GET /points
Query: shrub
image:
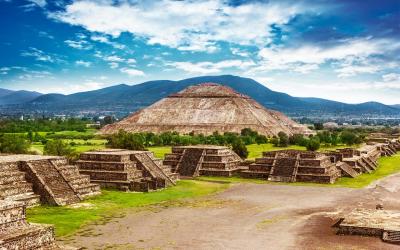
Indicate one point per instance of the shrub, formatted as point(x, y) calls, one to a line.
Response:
point(58, 147)
point(313, 144)
point(240, 149)
point(12, 143)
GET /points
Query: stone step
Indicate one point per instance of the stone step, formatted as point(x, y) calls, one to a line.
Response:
point(106, 175)
point(5, 167)
point(11, 177)
point(32, 236)
point(88, 189)
point(106, 166)
point(254, 174)
point(28, 199)
point(15, 188)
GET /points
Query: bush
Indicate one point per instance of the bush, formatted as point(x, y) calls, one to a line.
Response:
point(126, 140)
point(240, 149)
point(15, 144)
point(58, 147)
point(313, 144)
point(283, 139)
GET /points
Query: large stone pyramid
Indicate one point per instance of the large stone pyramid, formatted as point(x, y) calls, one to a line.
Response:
point(207, 108)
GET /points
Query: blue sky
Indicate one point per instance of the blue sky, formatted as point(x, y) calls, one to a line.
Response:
point(340, 50)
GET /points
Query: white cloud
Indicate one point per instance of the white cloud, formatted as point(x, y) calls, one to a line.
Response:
point(351, 57)
point(240, 52)
point(113, 65)
point(132, 72)
point(113, 58)
point(391, 77)
point(187, 25)
point(40, 3)
point(82, 44)
point(105, 39)
point(210, 67)
point(39, 55)
point(83, 63)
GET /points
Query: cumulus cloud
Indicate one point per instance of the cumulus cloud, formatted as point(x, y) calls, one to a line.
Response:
point(39, 55)
point(350, 56)
point(186, 25)
point(83, 63)
point(210, 67)
point(132, 72)
point(82, 44)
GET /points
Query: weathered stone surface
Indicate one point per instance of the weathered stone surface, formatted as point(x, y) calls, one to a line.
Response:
point(16, 233)
point(292, 166)
point(207, 108)
point(379, 223)
point(203, 160)
point(126, 170)
point(49, 179)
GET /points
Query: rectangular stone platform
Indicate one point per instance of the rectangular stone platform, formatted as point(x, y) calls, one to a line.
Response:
point(32, 179)
point(198, 160)
point(126, 170)
point(380, 223)
point(17, 233)
point(292, 166)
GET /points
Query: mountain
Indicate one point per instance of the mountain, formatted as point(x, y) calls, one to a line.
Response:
point(8, 97)
point(123, 99)
point(396, 106)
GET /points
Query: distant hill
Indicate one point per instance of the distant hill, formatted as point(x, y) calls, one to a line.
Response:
point(123, 99)
point(8, 97)
point(396, 106)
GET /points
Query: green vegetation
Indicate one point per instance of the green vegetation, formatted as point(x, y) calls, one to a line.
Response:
point(45, 125)
point(387, 166)
point(159, 152)
point(112, 203)
point(13, 143)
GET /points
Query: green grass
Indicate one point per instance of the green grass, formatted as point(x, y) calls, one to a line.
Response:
point(387, 166)
point(255, 150)
point(159, 152)
point(112, 203)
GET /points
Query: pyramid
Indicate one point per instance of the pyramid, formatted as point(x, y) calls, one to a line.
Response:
point(204, 109)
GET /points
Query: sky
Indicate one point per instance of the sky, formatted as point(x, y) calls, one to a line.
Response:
point(340, 50)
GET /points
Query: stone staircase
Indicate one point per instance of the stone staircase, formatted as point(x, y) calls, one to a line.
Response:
point(49, 182)
point(79, 183)
point(14, 186)
point(16, 233)
point(154, 168)
point(284, 169)
point(189, 163)
point(198, 160)
point(391, 237)
point(347, 170)
point(126, 170)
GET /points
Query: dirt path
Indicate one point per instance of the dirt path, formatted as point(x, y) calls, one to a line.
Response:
point(247, 216)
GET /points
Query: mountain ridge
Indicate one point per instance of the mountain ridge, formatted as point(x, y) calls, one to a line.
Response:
point(124, 99)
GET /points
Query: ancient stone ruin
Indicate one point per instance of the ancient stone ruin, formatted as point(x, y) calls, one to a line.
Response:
point(203, 160)
point(292, 166)
point(17, 233)
point(379, 223)
point(126, 170)
point(204, 109)
point(31, 179)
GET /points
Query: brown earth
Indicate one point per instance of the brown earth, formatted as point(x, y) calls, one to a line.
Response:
point(247, 216)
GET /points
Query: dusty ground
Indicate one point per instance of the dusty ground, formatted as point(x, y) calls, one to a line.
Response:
point(247, 216)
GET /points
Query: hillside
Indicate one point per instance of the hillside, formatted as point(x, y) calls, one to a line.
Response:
point(123, 99)
point(17, 97)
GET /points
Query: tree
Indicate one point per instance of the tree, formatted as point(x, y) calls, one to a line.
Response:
point(240, 149)
point(58, 147)
point(348, 137)
point(13, 143)
point(126, 140)
point(318, 126)
point(313, 144)
point(283, 139)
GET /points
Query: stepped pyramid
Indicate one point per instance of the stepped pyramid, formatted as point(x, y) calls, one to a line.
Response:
point(16, 233)
point(292, 166)
point(207, 108)
point(126, 169)
point(48, 179)
point(198, 160)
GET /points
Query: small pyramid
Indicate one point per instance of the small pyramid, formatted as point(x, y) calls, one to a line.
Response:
point(204, 109)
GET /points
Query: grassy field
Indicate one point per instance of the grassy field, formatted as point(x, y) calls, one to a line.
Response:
point(387, 166)
point(81, 145)
point(255, 150)
point(112, 203)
